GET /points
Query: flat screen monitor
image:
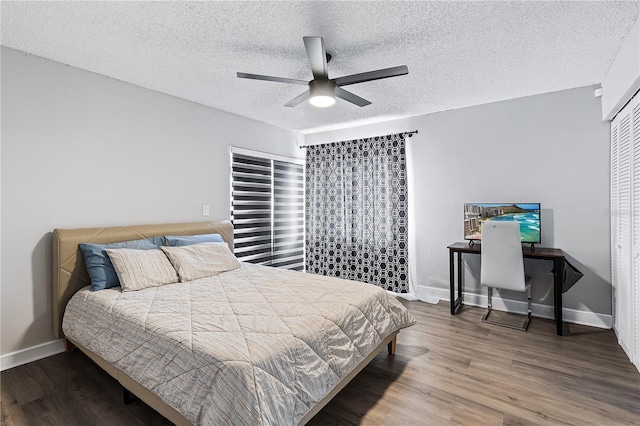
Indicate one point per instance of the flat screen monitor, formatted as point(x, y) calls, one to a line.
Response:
point(526, 214)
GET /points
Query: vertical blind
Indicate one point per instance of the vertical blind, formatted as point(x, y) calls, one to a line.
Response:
point(267, 210)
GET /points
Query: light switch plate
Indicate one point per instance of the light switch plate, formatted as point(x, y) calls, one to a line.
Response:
point(205, 210)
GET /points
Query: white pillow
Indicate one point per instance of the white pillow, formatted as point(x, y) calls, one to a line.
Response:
point(201, 260)
point(138, 269)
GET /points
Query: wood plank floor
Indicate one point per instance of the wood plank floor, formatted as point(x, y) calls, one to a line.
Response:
point(447, 370)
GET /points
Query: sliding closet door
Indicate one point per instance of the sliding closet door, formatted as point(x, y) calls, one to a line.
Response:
point(625, 227)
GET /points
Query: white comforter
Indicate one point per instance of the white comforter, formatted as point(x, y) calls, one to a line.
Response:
point(252, 346)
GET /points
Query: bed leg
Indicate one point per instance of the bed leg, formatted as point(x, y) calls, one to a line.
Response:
point(68, 346)
point(391, 347)
point(127, 396)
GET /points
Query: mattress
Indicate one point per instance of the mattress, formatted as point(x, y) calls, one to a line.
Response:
point(255, 345)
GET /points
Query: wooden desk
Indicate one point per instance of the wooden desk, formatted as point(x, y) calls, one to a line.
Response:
point(553, 254)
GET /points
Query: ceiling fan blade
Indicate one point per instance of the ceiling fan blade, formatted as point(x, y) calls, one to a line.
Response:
point(317, 56)
point(350, 97)
point(371, 75)
point(270, 78)
point(298, 99)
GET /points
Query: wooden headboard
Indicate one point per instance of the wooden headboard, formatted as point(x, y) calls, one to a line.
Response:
point(69, 272)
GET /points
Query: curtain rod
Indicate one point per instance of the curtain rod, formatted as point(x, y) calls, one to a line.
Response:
point(409, 134)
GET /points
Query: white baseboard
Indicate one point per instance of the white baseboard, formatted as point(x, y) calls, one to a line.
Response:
point(33, 353)
point(538, 310)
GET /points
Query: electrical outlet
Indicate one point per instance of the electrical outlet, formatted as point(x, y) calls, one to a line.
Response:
point(205, 210)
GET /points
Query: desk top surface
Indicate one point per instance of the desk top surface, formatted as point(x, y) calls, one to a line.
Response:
point(539, 252)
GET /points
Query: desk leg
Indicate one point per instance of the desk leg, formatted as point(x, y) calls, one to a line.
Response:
point(455, 301)
point(460, 279)
point(452, 293)
point(557, 294)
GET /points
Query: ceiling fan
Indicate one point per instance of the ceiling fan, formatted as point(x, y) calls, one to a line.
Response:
point(322, 89)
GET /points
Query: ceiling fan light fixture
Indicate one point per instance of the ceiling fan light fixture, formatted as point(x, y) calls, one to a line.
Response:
point(322, 101)
point(322, 93)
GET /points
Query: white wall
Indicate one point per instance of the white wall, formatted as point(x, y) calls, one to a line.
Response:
point(623, 77)
point(551, 148)
point(83, 150)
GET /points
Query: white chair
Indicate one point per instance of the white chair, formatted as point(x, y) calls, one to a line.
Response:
point(502, 265)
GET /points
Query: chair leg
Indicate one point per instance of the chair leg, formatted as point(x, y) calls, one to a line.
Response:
point(527, 320)
point(525, 326)
point(485, 317)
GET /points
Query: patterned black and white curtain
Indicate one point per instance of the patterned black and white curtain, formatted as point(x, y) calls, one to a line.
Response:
point(356, 211)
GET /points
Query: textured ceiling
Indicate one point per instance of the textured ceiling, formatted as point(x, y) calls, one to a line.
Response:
point(458, 53)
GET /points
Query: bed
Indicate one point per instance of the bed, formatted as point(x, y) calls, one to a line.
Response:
point(255, 345)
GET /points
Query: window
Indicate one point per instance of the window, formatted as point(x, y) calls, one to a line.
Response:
point(267, 208)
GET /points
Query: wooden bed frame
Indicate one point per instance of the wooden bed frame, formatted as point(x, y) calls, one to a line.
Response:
point(70, 275)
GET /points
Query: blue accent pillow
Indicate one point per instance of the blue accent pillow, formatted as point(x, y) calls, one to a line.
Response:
point(99, 265)
point(187, 240)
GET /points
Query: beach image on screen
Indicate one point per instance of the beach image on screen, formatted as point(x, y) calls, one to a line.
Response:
point(526, 214)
